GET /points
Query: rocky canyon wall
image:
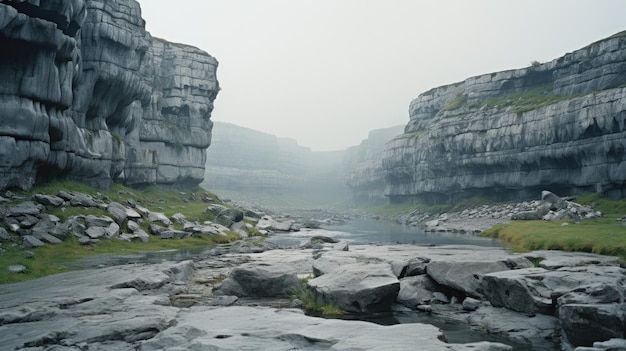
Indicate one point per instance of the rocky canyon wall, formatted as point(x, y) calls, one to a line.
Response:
point(88, 94)
point(508, 135)
point(364, 168)
point(269, 170)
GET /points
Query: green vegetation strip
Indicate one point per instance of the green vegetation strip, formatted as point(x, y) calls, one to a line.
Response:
point(604, 235)
point(52, 259)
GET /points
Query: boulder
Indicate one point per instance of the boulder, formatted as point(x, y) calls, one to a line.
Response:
point(23, 209)
point(158, 217)
point(208, 229)
point(121, 213)
point(29, 242)
point(98, 221)
point(268, 223)
point(179, 218)
point(259, 280)
point(357, 287)
point(215, 209)
point(526, 216)
point(415, 266)
point(228, 216)
point(16, 268)
point(470, 304)
point(584, 324)
point(416, 291)
point(84, 200)
point(326, 264)
point(534, 290)
point(173, 234)
point(467, 276)
point(4, 235)
point(48, 200)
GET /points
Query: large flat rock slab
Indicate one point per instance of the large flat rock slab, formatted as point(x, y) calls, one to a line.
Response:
point(243, 328)
point(113, 307)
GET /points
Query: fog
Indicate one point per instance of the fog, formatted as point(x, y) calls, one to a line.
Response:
point(326, 72)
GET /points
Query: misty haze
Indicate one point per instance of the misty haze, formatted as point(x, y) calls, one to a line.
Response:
point(312, 175)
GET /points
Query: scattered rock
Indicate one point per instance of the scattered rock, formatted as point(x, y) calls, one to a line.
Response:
point(416, 291)
point(470, 304)
point(16, 268)
point(84, 200)
point(29, 242)
point(259, 281)
point(159, 217)
point(4, 235)
point(48, 200)
point(23, 209)
point(228, 216)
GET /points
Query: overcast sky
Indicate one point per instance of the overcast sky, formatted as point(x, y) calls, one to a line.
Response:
point(326, 72)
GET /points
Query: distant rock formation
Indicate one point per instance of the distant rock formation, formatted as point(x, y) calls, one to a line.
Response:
point(364, 168)
point(246, 160)
point(88, 94)
point(559, 126)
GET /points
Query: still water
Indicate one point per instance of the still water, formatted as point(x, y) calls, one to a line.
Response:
point(366, 231)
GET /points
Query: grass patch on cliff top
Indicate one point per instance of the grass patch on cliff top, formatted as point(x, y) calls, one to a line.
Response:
point(605, 235)
point(524, 101)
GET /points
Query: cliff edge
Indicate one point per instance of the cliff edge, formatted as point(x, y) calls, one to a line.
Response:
point(89, 95)
point(557, 126)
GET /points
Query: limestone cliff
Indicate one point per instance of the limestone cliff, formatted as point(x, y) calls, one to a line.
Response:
point(507, 135)
point(89, 95)
point(364, 168)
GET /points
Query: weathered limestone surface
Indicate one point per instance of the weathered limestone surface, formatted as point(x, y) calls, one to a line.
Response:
point(489, 135)
point(81, 79)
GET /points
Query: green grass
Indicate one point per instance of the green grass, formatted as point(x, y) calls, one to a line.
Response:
point(455, 103)
point(526, 100)
point(603, 235)
point(52, 259)
point(311, 306)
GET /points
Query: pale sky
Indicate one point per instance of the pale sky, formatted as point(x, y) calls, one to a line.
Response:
point(326, 72)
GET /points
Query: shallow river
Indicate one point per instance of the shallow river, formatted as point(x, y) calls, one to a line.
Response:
point(385, 232)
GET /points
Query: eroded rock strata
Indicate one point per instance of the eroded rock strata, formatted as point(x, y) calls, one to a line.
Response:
point(89, 95)
point(558, 126)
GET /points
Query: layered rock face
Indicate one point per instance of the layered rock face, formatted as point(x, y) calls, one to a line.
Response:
point(365, 174)
point(508, 135)
point(176, 125)
point(81, 79)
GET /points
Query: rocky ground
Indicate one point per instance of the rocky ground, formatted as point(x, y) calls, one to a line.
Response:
point(235, 297)
point(479, 218)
